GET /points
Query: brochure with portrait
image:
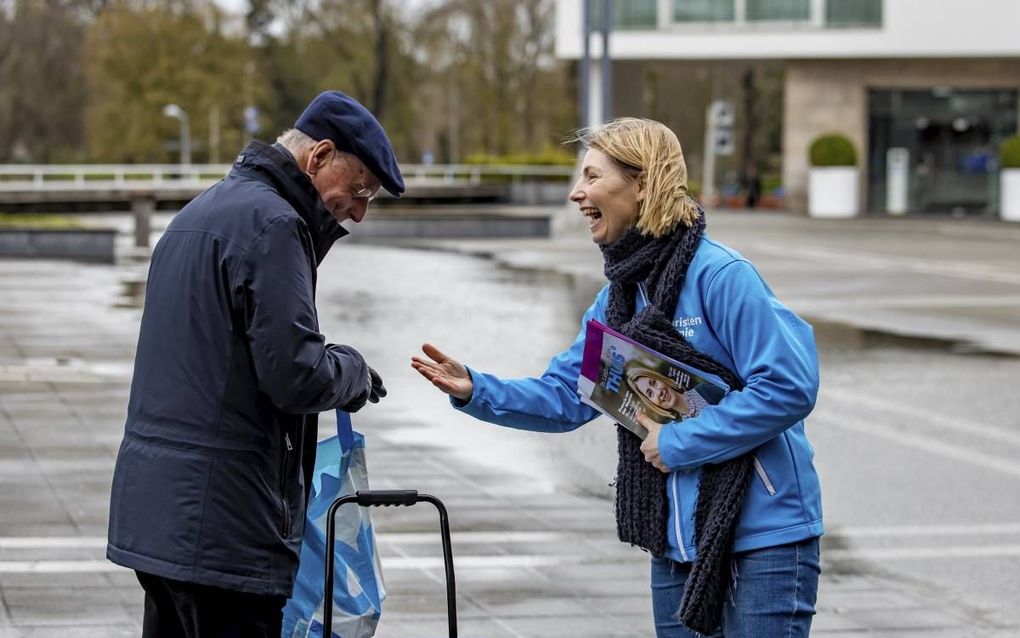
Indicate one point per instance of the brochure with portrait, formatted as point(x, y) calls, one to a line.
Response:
point(620, 377)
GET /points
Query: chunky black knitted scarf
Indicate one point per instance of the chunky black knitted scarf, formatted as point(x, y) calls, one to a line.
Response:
point(641, 504)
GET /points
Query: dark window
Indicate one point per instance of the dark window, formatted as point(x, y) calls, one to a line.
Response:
point(787, 10)
point(633, 14)
point(853, 13)
point(703, 10)
point(951, 138)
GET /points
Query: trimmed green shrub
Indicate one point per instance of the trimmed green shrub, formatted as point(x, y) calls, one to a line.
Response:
point(1009, 153)
point(694, 187)
point(548, 156)
point(41, 221)
point(833, 149)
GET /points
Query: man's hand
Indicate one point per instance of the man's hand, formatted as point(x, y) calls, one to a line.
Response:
point(376, 389)
point(650, 446)
point(373, 388)
point(448, 375)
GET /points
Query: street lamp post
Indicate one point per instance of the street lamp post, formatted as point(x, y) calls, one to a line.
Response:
point(596, 82)
point(179, 114)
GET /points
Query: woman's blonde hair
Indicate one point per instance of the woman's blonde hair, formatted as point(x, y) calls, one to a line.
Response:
point(648, 150)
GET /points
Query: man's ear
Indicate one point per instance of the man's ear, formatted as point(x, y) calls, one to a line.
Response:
point(318, 156)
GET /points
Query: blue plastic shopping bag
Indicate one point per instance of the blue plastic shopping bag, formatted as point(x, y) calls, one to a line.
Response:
point(358, 587)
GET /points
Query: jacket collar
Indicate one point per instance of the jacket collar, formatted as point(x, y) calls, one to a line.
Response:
point(274, 165)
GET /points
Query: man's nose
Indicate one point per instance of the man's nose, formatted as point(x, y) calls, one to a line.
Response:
point(359, 210)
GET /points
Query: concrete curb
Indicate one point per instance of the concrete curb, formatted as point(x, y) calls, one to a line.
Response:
point(85, 244)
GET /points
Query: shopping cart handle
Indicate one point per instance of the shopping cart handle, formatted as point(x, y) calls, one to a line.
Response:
point(386, 498)
point(371, 498)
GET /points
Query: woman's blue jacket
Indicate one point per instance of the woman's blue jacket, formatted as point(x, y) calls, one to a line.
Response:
point(726, 311)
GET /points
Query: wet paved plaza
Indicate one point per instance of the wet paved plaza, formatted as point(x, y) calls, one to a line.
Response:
point(916, 434)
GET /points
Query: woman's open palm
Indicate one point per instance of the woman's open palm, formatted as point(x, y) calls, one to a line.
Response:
point(445, 373)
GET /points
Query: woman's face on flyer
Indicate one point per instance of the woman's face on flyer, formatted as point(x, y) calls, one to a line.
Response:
point(607, 197)
point(658, 393)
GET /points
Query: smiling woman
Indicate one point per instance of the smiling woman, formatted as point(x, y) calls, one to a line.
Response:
point(634, 173)
point(681, 494)
point(609, 194)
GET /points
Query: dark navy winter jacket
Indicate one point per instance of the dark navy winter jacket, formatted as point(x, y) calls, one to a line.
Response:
point(230, 374)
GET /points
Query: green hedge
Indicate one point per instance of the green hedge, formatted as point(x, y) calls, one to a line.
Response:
point(1009, 153)
point(833, 149)
point(41, 221)
point(549, 156)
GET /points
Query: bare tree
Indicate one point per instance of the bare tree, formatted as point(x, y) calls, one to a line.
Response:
point(41, 83)
point(498, 57)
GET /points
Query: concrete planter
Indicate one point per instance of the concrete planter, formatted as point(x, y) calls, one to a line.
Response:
point(79, 244)
point(533, 193)
point(833, 192)
point(1009, 194)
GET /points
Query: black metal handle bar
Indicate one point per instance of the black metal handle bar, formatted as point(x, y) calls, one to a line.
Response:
point(388, 498)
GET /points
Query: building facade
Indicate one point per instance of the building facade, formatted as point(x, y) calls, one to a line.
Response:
point(934, 81)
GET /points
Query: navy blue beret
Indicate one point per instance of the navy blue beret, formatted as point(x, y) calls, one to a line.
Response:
point(340, 118)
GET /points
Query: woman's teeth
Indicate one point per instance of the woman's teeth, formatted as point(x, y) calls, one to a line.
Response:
point(593, 216)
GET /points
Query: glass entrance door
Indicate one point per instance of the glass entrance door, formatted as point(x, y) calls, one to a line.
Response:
point(951, 138)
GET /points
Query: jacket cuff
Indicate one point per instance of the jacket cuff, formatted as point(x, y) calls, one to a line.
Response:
point(473, 403)
point(669, 452)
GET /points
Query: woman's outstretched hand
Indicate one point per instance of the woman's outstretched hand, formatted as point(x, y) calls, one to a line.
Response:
point(445, 373)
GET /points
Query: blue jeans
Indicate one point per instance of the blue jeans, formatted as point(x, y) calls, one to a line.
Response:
point(772, 594)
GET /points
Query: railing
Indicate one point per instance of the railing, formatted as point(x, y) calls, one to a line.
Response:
point(20, 177)
point(43, 177)
point(477, 173)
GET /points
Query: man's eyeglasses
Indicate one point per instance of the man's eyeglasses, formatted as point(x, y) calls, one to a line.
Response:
point(361, 191)
point(364, 192)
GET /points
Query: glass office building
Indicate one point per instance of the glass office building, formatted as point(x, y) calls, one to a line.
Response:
point(935, 83)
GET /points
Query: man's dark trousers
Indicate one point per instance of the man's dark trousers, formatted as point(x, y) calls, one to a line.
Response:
point(174, 609)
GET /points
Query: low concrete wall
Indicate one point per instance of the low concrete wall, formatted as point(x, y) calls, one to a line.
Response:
point(430, 193)
point(454, 222)
point(79, 244)
point(453, 228)
point(539, 193)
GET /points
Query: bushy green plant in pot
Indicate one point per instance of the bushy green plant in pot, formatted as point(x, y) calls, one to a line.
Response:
point(833, 149)
point(833, 179)
point(1009, 184)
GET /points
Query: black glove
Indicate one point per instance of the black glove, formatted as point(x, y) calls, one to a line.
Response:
point(374, 388)
point(377, 390)
point(356, 403)
point(374, 391)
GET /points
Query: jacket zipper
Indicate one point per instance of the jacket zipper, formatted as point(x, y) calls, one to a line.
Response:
point(677, 516)
point(760, 469)
point(675, 479)
point(644, 295)
point(283, 483)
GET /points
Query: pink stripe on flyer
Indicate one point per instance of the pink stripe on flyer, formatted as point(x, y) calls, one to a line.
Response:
point(591, 360)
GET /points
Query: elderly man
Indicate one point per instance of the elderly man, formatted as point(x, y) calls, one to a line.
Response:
point(209, 490)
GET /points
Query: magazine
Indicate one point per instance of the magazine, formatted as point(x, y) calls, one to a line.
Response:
point(620, 377)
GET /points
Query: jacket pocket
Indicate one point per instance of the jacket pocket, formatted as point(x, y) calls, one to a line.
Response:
point(286, 451)
point(286, 518)
point(759, 469)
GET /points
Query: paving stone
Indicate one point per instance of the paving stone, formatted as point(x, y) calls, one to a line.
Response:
point(62, 606)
